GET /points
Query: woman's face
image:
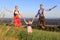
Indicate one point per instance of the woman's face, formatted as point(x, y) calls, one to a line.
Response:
point(16, 7)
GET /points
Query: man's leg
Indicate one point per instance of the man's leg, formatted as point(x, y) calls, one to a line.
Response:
point(43, 24)
point(38, 23)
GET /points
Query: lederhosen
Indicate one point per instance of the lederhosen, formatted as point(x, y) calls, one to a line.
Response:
point(41, 20)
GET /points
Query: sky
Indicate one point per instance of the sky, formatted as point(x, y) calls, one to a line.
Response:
point(29, 8)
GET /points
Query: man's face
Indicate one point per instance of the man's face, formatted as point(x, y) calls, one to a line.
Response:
point(41, 6)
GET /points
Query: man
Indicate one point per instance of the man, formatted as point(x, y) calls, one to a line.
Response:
point(41, 19)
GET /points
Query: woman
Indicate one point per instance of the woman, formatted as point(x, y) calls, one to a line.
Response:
point(17, 22)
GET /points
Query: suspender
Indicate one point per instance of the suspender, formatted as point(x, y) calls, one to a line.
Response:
point(39, 11)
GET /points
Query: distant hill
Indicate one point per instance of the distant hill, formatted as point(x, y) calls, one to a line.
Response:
point(55, 21)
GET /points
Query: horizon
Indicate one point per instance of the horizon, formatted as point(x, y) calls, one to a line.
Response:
point(30, 18)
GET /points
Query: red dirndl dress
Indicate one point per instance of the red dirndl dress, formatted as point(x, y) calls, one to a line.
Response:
point(17, 22)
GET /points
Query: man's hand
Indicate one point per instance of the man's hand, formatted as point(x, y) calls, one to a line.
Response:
point(54, 7)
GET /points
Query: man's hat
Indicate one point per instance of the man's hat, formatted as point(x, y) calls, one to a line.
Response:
point(41, 4)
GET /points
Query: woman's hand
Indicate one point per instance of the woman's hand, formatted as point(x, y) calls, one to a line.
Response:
point(8, 10)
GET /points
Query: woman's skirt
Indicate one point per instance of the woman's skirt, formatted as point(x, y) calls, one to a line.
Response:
point(29, 29)
point(17, 22)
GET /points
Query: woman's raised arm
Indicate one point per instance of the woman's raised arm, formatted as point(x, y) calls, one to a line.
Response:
point(8, 10)
point(25, 21)
point(33, 19)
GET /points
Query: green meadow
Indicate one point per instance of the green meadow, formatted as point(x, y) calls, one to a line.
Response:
point(13, 33)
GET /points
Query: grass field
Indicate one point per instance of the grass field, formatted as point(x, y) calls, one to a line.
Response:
point(13, 33)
